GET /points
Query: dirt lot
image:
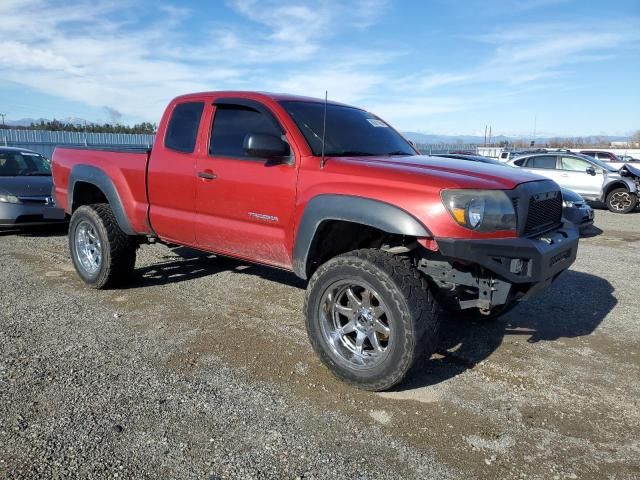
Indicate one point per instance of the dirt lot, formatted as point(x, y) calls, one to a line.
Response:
point(201, 369)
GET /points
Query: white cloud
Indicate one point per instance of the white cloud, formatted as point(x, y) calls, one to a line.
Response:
point(100, 53)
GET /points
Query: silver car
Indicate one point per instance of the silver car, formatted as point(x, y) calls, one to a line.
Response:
point(593, 179)
point(25, 189)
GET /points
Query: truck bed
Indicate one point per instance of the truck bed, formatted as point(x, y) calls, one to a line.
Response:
point(126, 167)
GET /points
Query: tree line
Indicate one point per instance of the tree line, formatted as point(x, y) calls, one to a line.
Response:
point(59, 126)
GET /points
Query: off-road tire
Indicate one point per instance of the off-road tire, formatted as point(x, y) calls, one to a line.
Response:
point(118, 248)
point(633, 200)
point(406, 293)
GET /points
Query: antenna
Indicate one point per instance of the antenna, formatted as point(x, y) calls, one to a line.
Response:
point(324, 128)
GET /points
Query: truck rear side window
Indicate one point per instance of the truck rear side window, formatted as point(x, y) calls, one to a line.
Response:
point(183, 127)
point(231, 125)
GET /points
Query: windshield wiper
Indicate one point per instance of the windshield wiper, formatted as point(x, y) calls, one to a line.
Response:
point(37, 174)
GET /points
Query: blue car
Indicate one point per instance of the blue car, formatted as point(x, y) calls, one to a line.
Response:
point(25, 189)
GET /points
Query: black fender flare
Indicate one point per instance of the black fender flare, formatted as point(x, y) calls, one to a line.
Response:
point(365, 211)
point(98, 178)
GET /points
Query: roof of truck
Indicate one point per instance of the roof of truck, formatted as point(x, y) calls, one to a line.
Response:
point(278, 97)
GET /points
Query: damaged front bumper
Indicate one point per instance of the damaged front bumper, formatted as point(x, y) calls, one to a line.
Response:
point(486, 273)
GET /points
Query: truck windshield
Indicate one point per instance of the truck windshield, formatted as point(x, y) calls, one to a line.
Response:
point(349, 131)
point(18, 164)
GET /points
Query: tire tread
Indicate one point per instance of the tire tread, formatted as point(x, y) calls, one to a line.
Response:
point(119, 255)
point(421, 306)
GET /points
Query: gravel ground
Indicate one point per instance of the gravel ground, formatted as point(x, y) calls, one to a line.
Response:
point(201, 369)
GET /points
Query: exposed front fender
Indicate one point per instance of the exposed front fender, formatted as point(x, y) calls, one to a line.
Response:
point(364, 211)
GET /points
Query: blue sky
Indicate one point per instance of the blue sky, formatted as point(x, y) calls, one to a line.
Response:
point(432, 66)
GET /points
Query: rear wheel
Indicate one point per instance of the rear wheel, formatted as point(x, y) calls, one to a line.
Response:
point(620, 200)
point(370, 317)
point(103, 255)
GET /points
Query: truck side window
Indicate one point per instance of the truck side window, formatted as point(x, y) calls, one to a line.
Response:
point(230, 126)
point(183, 127)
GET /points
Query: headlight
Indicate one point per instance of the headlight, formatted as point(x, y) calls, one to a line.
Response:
point(568, 203)
point(481, 210)
point(8, 198)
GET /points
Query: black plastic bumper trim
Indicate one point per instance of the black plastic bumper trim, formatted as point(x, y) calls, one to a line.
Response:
point(542, 257)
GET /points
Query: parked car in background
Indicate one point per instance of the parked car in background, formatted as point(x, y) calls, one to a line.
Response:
point(509, 154)
point(25, 189)
point(609, 157)
point(574, 207)
point(576, 210)
point(593, 179)
point(601, 155)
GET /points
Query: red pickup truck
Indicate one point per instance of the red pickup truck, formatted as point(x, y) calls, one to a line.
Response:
point(390, 241)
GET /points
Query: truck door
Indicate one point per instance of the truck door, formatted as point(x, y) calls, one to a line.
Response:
point(573, 172)
point(245, 204)
point(171, 182)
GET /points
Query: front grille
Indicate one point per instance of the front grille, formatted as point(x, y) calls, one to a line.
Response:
point(545, 212)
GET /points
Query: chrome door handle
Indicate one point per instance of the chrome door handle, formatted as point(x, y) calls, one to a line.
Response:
point(207, 175)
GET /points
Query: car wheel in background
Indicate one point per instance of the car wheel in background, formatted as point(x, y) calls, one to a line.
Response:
point(620, 200)
point(103, 255)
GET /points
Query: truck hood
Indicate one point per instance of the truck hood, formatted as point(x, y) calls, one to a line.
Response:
point(452, 173)
point(27, 186)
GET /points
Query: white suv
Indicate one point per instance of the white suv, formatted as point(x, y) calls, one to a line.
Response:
point(591, 178)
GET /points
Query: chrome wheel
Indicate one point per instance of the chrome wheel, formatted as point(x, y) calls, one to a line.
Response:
point(88, 247)
point(620, 200)
point(355, 324)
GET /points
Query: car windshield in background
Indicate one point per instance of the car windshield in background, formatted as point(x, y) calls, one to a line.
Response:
point(349, 131)
point(600, 163)
point(19, 164)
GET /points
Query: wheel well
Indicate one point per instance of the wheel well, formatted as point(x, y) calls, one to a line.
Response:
point(335, 237)
point(85, 194)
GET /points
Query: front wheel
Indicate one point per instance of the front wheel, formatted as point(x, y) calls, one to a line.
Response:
point(370, 317)
point(620, 200)
point(102, 254)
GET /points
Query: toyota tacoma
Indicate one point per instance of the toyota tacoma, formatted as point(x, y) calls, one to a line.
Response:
point(389, 241)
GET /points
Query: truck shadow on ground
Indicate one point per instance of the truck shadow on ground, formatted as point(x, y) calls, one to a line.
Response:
point(572, 307)
point(191, 264)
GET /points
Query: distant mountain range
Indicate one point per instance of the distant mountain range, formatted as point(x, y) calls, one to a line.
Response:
point(428, 139)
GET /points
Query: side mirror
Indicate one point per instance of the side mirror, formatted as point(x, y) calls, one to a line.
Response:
point(266, 146)
point(591, 171)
